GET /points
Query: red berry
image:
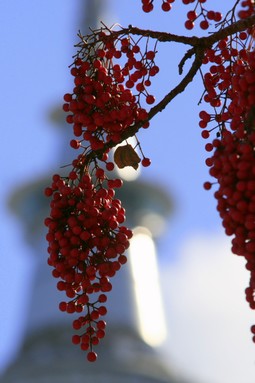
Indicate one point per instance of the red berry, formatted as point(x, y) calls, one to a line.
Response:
point(189, 24)
point(207, 185)
point(210, 15)
point(204, 24)
point(205, 134)
point(191, 15)
point(76, 339)
point(75, 144)
point(146, 162)
point(217, 16)
point(147, 8)
point(150, 55)
point(166, 7)
point(150, 99)
point(109, 166)
point(91, 356)
point(48, 192)
point(62, 306)
point(67, 97)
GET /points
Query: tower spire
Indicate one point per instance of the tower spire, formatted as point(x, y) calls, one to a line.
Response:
point(92, 13)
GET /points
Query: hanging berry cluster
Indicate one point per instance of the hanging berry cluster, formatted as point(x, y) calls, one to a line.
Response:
point(86, 235)
point(103, 106)
point(87, 242)
point(230, 90)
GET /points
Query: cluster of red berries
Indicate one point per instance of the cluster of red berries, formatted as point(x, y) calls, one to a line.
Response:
point(247, 9)
point(112, 74)
point(102, 105)
point(207, 17)
point(147, 5)
point(87, 240)
point(233, 160)
point(236, 88)
point(86, 247)
point(233, 166)
point(198, 12)
point(226, 60)
point(242, 103)
point(230, 90)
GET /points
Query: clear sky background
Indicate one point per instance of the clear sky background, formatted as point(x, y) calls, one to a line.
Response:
point(203, 283)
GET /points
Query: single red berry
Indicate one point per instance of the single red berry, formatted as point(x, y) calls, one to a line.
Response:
point(67, 97)
point(73, 175)
point(207, 185)
point(84, 346)
point(102, 310)
point(122, 259)
point(205, 134)
point(150, 55)
point(69, 119)
point(100, 173)
point(204, 24)
point(48, 192)
point(209, 147)
point(191, 15)
point(217, 16)
point(166, 7)
point(154, 70)
point(210, 15)
point(101, 325)
point(109, 166)
point(92, 356)
point(146, 161)
point(102, 298)
point(150, 99)
point(75, 144)
point(189, 24)
point(62, 306)
point(136, 49)
point(100, 334)
point(147, 7)
point(76, 339)
point(243, 35)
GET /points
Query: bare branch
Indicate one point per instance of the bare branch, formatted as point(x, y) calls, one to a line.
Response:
point(238, 26)
point(162, 36)
point(187, 56)
point(206, 41)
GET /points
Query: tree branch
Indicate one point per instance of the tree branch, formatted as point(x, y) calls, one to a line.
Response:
point(238, 26)
point(199, 46)
point(206, 41)
point(161, 36)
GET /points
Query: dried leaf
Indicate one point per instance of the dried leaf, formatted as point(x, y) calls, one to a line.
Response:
point(126, 156)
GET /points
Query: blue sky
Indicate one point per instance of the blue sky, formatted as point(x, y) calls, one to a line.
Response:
point(37, 44)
